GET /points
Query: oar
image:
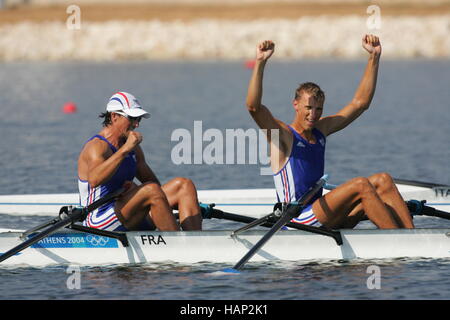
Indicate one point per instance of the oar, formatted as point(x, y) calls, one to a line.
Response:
point(74, 216)
point(208, 212)
point(418, 208)
point(291, 212)
point(419, 183)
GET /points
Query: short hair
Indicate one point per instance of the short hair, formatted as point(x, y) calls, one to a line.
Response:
point(107, 118)
point(311, 88)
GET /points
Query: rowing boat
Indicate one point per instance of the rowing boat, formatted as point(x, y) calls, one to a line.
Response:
point(65, 241)
point(250, 202)
point(218, 246)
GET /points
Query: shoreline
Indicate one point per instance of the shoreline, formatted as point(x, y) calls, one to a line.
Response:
point(213, 32)
point(335, 37)
point(232, 11)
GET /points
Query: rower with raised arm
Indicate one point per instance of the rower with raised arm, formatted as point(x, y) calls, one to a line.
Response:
point(111, 160)
point(297, 152)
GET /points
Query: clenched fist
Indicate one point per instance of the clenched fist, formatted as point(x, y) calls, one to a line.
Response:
point(134, 138)
point(264, 50)
point(372, 44)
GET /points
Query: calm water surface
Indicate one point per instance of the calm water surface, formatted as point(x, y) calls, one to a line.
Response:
point(405, 132)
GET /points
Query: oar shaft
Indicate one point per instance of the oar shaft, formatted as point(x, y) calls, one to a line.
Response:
point(39, 236)
point(104, 200)
point(256, 222)
point(39, 227)
point(218, 214)
point(291, 211)
point(432, 212)
point(419, 183)
point(258, 245)
point(276, 227)
point(441, 214)
point(74, 216)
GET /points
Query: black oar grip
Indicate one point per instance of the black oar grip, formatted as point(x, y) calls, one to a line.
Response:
point(419, 208)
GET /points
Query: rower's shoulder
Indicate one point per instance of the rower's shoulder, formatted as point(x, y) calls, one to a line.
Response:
point(282, 124)
point(95, 147)
point(323, 125)
point(320, 130)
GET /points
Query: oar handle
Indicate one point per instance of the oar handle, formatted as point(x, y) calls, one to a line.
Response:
point(417, 207)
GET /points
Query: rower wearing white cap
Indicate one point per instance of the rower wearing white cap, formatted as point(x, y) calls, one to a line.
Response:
point(112, 159)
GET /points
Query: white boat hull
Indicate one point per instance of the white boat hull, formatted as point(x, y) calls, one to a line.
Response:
point(249, 202)
point(71, 247)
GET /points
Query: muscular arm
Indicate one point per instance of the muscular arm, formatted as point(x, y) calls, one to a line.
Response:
point(98, 163)
point(261, 114)
point(363, 95)
point(255, 88)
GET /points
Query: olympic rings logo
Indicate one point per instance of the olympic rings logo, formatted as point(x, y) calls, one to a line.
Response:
point(97, 240)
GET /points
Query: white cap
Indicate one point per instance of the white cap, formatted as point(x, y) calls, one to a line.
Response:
point(126, 103)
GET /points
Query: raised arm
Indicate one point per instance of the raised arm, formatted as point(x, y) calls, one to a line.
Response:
point(278, 134)
point(363, 95)
point(260, 113)
point(264, 51)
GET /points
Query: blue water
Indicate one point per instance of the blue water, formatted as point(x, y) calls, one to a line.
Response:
point(405, 132)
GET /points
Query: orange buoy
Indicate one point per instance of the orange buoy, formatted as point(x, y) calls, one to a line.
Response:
point(250, 64)
point(69, 107)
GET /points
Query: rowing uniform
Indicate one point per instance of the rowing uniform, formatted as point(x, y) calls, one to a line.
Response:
point(105, 217)
point(302, 170)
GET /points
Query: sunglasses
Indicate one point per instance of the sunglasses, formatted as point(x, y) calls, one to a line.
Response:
point(131, 119)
